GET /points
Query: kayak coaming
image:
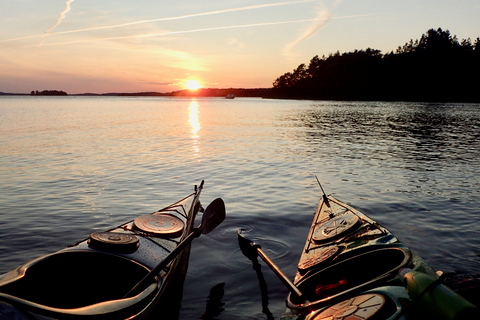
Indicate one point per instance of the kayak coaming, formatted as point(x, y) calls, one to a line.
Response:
point(151, 250)
point(363, 238)
point(367, 273)
point(397, 301)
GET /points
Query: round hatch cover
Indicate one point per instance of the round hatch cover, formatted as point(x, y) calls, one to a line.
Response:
point(114, 241)
point(335, 227)
point(160, 224)
point(360, 307)
point(318, 257)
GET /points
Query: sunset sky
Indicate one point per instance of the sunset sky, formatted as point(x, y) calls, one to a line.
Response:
point(81, 46)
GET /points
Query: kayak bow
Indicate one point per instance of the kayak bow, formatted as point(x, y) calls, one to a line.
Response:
point(352, 268)
point(91, 277)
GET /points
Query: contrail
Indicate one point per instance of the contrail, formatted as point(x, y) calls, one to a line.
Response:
point(259, 6)
point(205, 29)
point(60, 18)
point(62, 15)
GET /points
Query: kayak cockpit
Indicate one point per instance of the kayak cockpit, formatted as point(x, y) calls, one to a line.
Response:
point(72, 279)
point(352, 274)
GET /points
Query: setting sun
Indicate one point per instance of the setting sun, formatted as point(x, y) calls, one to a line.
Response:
point(192, 84)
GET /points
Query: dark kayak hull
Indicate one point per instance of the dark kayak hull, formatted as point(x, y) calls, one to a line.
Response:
point(353, 268)
point(90, 278)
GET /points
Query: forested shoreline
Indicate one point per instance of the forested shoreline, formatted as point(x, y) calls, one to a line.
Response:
point(437, 67)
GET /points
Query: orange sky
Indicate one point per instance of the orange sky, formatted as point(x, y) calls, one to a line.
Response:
point(136, 46)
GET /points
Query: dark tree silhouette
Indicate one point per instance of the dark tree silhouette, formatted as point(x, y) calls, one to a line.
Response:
point(48, 93)
point(437, 67)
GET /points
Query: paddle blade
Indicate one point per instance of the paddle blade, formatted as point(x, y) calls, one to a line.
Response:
point(213, 216)
point(248, 247)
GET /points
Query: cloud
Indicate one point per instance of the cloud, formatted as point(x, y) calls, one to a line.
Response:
point(60, 18)
point(57, 23)
point(236, 42)
point(155, 83)
point(323, 16)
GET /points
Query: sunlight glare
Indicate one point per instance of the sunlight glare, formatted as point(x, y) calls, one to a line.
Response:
point(195, 124)
point(193, 85)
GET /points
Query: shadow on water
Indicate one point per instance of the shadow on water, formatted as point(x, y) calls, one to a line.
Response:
point(169, 307)
point(263, 288)
point(466, 285)
point(214, 302)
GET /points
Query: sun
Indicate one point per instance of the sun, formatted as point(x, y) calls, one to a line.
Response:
point(192, 85)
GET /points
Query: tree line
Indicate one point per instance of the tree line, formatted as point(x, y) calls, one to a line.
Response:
point(214, 92)
point(48, 93)
point(437, 67)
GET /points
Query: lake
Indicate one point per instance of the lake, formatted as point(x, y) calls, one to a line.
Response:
point(73, 165)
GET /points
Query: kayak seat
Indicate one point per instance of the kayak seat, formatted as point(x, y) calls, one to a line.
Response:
point(360, 271)
point(76, 279)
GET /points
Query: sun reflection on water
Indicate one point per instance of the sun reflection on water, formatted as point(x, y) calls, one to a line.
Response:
point(195, 123)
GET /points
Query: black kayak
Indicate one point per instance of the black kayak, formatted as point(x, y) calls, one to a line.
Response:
point(94, 278)
point(352, 268)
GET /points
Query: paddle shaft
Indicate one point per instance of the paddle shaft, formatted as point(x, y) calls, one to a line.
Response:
point(154, 272)
point(325, 199)
point(279, 273)
point(212, 217)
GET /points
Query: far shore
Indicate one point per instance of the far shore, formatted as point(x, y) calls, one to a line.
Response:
point(265, 93)
point(202, 92)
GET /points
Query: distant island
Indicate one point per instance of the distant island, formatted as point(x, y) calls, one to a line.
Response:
point(48, 93)
point(435, 68)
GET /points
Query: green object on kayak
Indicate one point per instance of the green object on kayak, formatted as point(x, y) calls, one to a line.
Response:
point(436, 298)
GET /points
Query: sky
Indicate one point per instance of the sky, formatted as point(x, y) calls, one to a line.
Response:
point(91, 46)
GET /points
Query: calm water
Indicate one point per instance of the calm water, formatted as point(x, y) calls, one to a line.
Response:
point(72, 165)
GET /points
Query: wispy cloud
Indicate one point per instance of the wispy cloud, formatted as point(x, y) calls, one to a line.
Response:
point(323, 16)
point(236, 42)
point(59, 20)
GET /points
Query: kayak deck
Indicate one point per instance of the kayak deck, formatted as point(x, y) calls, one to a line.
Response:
point(92, 277)
point(345, 252)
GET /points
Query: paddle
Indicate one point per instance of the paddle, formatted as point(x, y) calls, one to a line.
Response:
point(212, 217)
point(251, 250)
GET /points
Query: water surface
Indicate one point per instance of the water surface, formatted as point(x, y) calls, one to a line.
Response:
point(73, 165)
